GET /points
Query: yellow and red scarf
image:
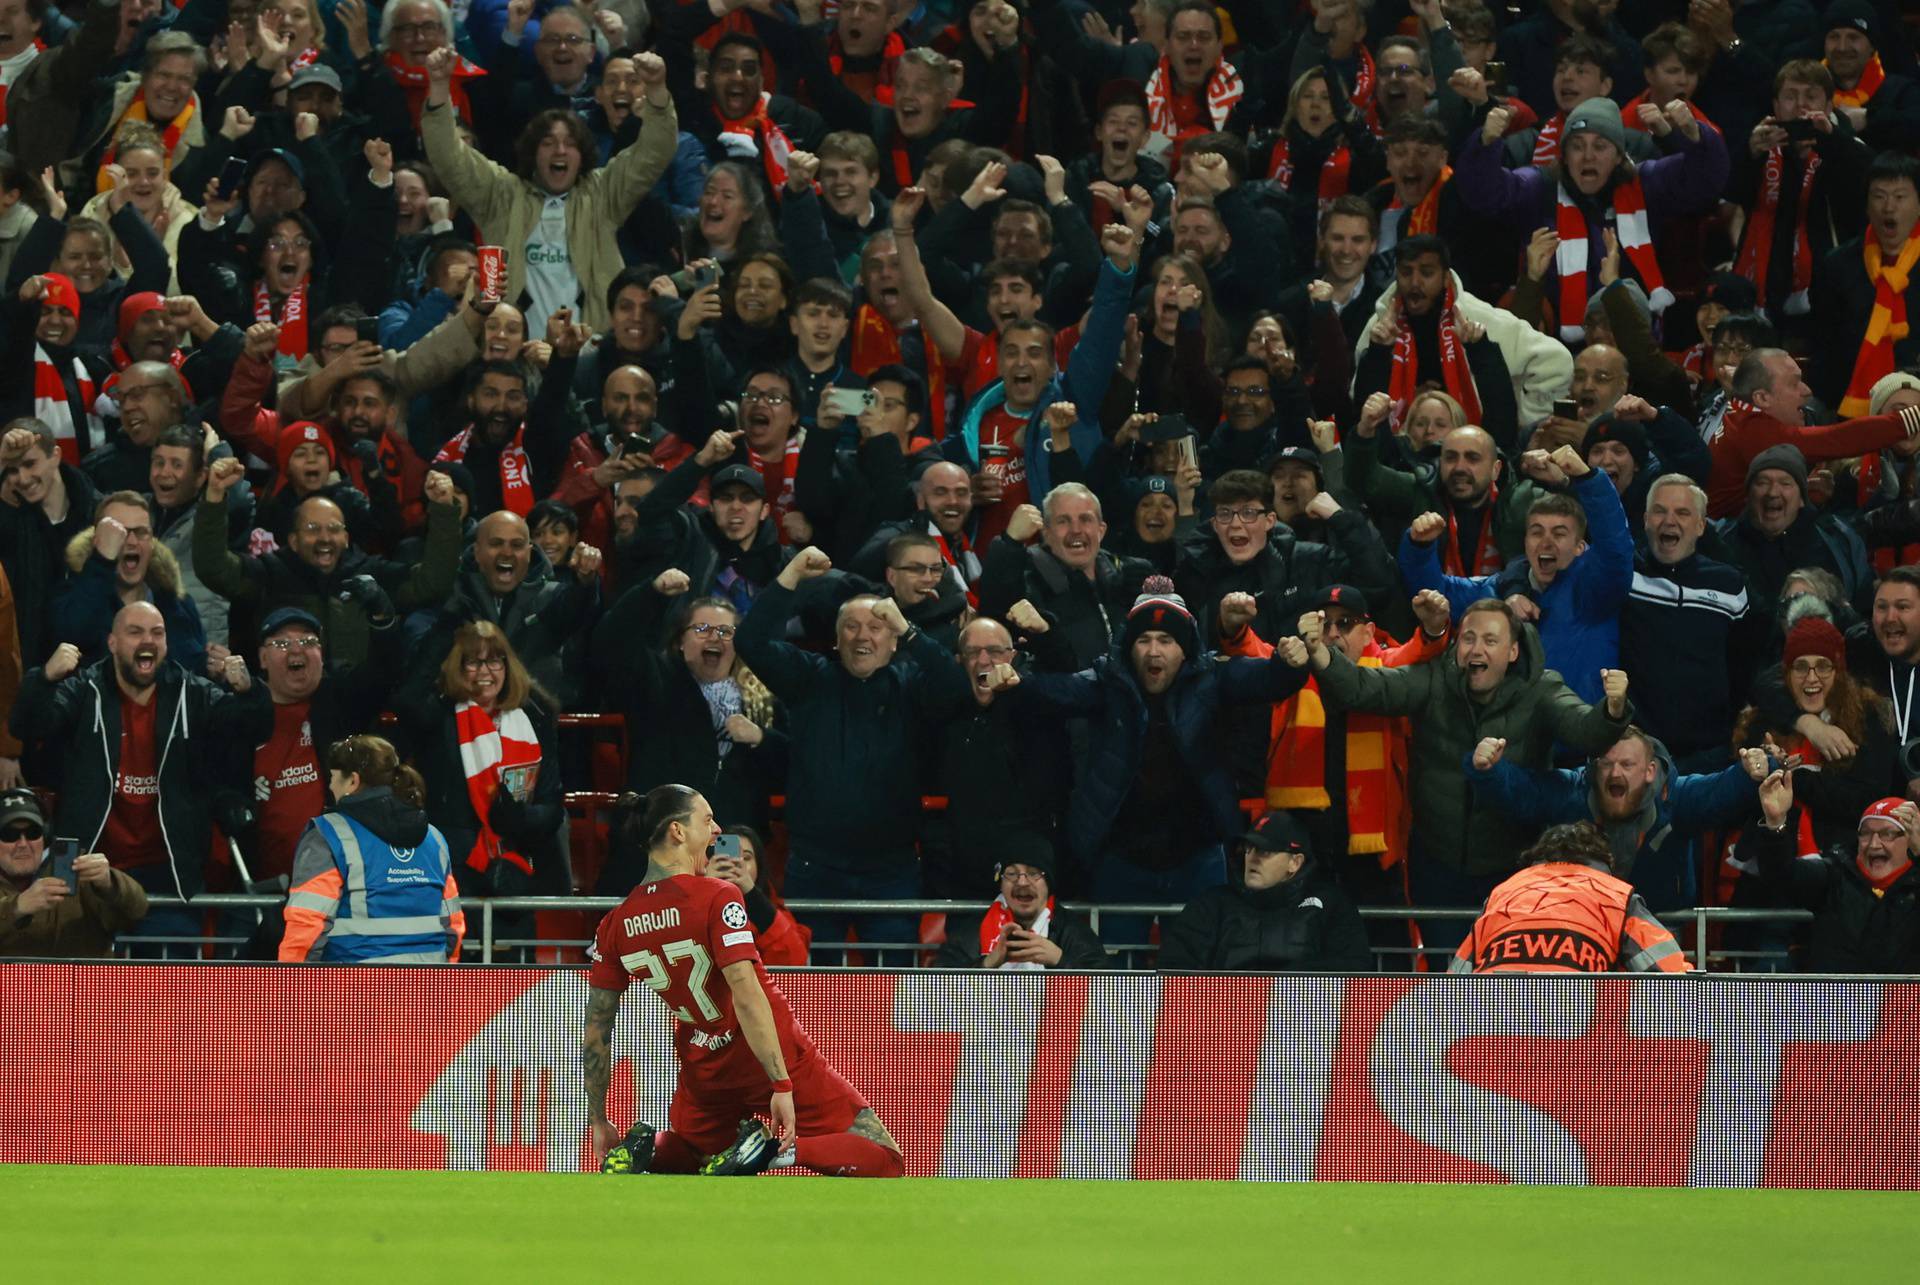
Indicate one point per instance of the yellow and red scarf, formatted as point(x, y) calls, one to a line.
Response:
point(1886, 324)
point(137, 111)
point(1871, 77)
point(516, 470)
point(1755, 259)
point(1297, 768)
point(489, 747)
point(1425, 218)
point(1635, 233)
point(1223, 93)
point(1404, 381)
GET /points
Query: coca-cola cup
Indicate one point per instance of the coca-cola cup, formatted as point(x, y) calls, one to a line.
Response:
point(493, 274)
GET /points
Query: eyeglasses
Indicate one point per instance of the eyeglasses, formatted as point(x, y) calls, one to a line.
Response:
point(139, 533)
point(1248, 516)
point(764, 397)
point(282, 243)
point(571, 41)
point(718, 632)
point(1882, 833)
point(495, 663)
point(308, 643)
point(15, 833)
point(921, 568)
point(1019, 874)
point(1400, 72)
point(404, 29)
point(1236, 392)
point(1346, 622)
point(992, 651)
point(1806, 666)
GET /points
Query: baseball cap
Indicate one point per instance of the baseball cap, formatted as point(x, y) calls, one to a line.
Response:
point(741, 475)
point(317, 74)
point(280, 619)
point(282, 155)
point(21, 804)
point(1343, 596)
point(1302, 455)
point(1278, 832)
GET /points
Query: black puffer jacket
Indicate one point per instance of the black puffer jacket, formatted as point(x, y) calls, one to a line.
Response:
point(1285, 573)
point(1088, 613)
point(1855, 928)
point(1305, 925)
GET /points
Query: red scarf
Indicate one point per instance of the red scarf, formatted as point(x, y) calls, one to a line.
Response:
point(516, 471)
point(304, 59)
point(54, 408)
point(1403, 382)
point(1363, 79)
point(1755, 260)
point(39, 47)
point(137, 110)
point(776, 479)
point(1223, 93)
point(952, 559)
point(293, 317)
point(1697, 362)
point(1546, 143)
point(1635, 233)
point(1487, 557)
point(1880, 883)
point(768, 137)
point(883, 75)
point(1425, 219)
point(414, 80)
point(1334, 170)
point(876, 343)
point(491, 748)
point(1861, 94)
point(993, 928)
point(1885, 325)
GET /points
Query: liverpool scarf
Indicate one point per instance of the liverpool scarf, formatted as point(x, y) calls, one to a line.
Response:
point(492, 746)
point(292, 319)
point(1297, 766)
point(1755, 260)
point(1363, 80)
point(1486, 558)
point(876, 343)
point(758, 130)
point(55, 406)
point(137, 110)
point(1546, 142)
point(1635, 234)
point(516, 471)
point(1223, 93)
point(993, 929)
point(414, 81)
point(1871, 77)
point(1885, 325)
point(1424, 220)
point(1404, 381)
point(883, 75)
point(1333, 171)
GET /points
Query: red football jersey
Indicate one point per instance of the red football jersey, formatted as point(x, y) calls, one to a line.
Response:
point(676, 936)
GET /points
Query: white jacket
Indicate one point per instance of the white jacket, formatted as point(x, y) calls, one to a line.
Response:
point(1541, 366)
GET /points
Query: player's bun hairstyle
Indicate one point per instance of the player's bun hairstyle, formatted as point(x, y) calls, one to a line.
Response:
point(650, 814)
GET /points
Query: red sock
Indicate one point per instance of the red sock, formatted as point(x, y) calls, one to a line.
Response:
point(673, 1154)
point(847, 1155)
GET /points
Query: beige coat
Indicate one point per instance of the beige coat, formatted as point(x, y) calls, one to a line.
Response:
point(507, 207)
point(179, 212)
point(435, 358)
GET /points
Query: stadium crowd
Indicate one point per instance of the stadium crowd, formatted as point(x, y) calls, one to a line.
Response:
point(1440, 423)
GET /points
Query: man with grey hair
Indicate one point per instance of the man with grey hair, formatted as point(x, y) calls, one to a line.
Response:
point(1685, 624)
point(855, 725)
point(1081, 590)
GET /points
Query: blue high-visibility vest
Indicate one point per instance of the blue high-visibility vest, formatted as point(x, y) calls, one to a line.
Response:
point(392, 907)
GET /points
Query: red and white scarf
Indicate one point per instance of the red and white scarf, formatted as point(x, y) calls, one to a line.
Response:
point(292, 318)
point(490, 745)
point(1223, 93)
point(1363, 81)
point(1871, 78)
point(516, 470)
point(766, 137)
point(1546, 143)
point(1635, 233)
point(993, 930)
point(1755, 260)
point(52, 406)
point(11, 68)
point(415, 82)
point(1404, 381)
point(1334, 171)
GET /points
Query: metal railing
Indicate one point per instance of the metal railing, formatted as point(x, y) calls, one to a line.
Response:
point(485, 942)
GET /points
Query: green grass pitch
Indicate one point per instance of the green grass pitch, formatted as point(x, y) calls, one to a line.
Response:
point(145, 1224)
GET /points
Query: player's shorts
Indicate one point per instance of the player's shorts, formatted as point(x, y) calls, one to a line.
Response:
point(824, 1102)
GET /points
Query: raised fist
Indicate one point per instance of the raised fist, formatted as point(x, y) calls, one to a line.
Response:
point(1434, 612)
point(223, 476)
point(1570, 462)
point(1119, 243)
point(887, 611)
point(672, 582)
point(65, 659)
point(1488, 752)
point(1025, 523)
point(1237, 611)
point(1427, 528)
point(1026, 617)
point(1614, 683)
point(1322, 506)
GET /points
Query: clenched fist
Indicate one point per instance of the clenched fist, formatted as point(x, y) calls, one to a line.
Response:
point(1025, 523)
point(1026, 617)
point(1614, 683)
point(808, 564)
point(1434, 612)
point(671, 583)
point(1427, 528)
point(1488, 752)
point(65, 659)
point(1237, 611)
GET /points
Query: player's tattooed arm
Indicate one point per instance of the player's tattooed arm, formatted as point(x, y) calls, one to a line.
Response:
point(596, 1048)
point(867, 1125)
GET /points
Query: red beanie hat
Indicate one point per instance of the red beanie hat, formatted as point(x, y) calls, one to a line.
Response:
point(1815, 637)
point(60, 292)
point(293, 437)
point(135, 306)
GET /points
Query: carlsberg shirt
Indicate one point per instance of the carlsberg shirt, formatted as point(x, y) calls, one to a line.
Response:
point(551, 284)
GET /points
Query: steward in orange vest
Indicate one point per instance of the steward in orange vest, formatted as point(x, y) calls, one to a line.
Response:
point(1565, 913)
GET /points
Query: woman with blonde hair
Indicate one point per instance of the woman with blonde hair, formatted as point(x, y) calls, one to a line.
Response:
point(484, 738)
point(150, 191)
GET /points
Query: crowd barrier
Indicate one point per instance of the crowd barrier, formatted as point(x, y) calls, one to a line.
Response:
point(1661, 1081)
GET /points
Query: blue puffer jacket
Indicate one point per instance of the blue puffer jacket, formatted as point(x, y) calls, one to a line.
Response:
point(1110, 695)
point(1655, 849)
point(1089, 370)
